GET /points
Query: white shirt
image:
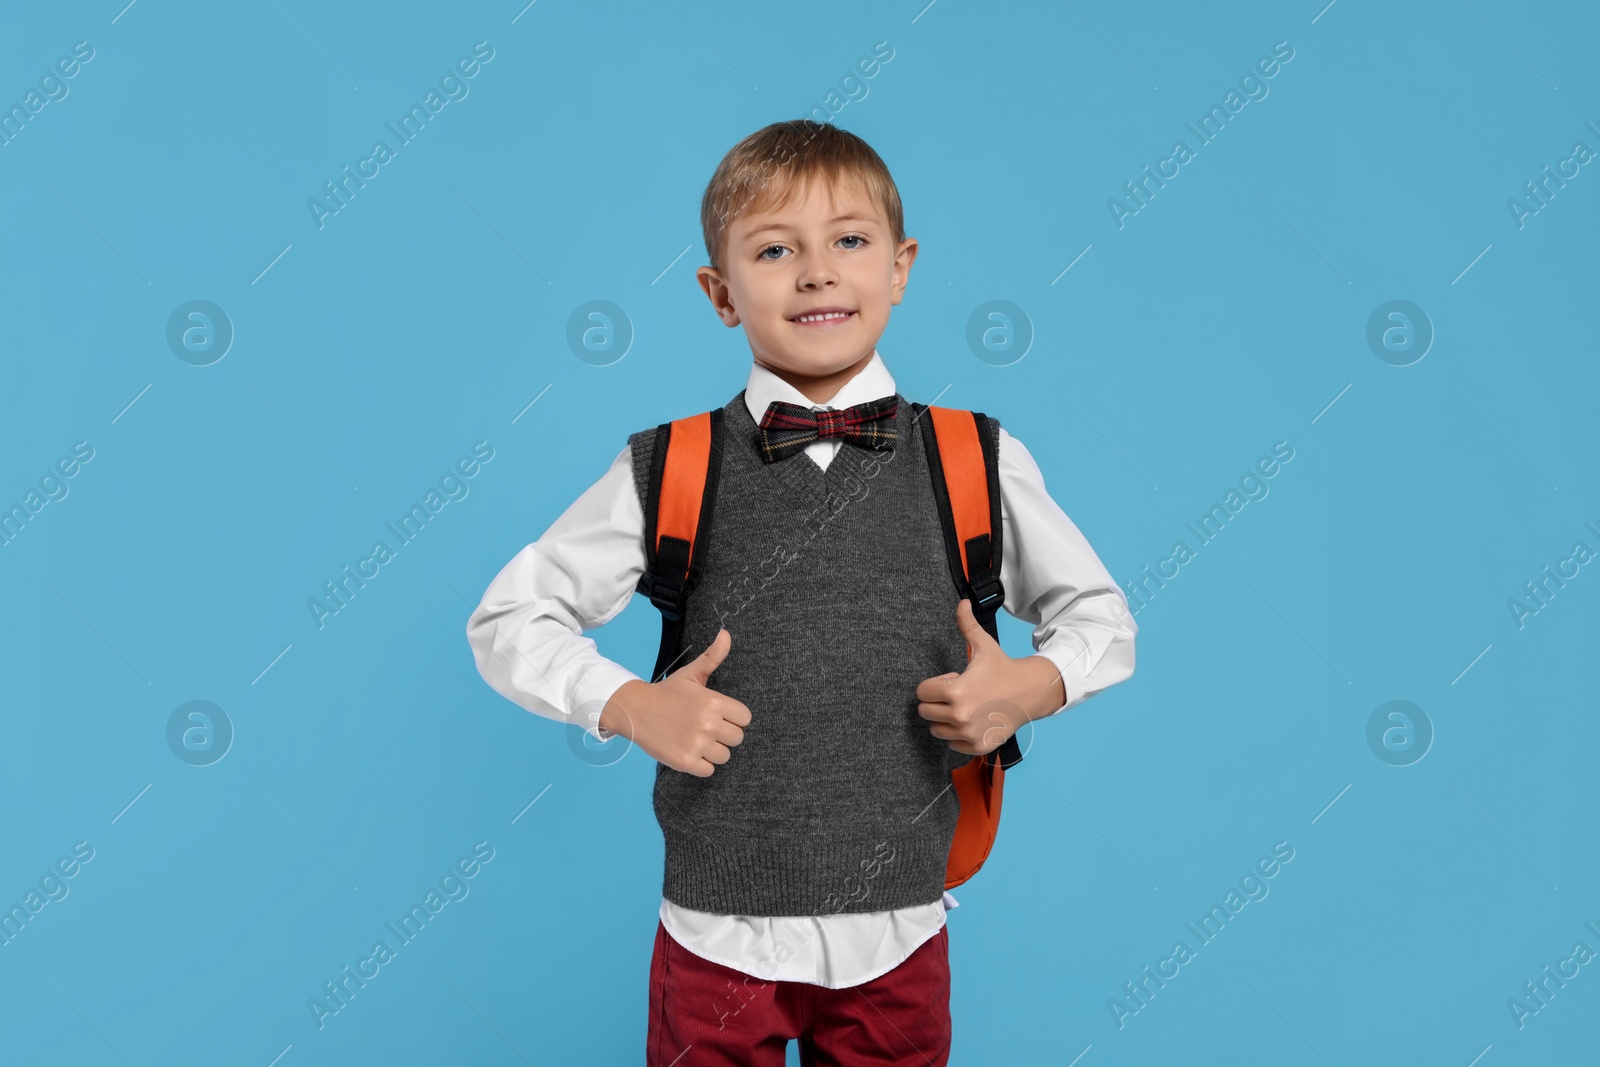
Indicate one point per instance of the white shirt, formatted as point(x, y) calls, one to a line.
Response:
point(527, 640)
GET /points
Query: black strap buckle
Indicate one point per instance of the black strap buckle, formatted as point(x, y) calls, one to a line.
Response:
point(987, 592)
point(666, 593)
point(982, 577)
point(668, 586)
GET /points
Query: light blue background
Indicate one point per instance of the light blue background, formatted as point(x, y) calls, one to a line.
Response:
point(1229, 314)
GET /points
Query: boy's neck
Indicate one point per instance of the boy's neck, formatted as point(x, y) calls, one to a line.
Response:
point(820, 389)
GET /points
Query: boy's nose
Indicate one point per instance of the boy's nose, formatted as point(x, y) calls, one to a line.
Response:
point(817, 273)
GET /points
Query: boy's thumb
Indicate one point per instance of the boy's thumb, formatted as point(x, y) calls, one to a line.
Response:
point(701, 667)
point(968, 624)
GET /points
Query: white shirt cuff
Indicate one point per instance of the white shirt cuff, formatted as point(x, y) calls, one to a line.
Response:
point(591, 693)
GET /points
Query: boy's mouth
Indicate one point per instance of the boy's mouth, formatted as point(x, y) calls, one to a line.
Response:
point(823, 317)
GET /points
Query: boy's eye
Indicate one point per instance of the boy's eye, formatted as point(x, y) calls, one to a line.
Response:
point(858, 239)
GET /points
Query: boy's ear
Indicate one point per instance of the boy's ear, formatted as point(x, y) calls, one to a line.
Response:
point(717, 291)
point(904, 256)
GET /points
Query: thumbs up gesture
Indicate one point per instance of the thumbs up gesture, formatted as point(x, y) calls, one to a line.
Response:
point(976, 710)
point(679, 721)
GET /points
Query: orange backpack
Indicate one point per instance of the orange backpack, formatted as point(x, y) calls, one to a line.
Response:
point(964, 464)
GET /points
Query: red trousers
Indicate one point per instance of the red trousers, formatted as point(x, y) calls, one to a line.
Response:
point(703, 1014)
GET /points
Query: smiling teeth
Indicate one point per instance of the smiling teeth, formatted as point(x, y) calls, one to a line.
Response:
point(824, 318)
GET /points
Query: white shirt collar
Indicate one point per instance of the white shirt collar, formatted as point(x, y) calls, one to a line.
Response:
point(869, 383)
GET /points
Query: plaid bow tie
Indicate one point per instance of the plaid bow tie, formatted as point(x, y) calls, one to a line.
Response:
point(788, 428)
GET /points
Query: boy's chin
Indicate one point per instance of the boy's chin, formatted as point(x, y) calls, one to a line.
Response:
point(816, 363)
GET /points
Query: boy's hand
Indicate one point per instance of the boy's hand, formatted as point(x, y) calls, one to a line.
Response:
point(679, 721)
point(976, 710)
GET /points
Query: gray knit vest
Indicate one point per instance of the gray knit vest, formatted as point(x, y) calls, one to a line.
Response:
point(836, 588)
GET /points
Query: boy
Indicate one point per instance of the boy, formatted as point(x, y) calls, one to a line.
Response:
point(806, 737)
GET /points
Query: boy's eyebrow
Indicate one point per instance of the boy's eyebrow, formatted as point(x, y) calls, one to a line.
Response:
point(852, 217)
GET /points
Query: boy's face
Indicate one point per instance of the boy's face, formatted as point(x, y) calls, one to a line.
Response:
point(827, 251)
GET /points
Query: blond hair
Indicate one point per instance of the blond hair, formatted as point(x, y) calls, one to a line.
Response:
point(768, 167)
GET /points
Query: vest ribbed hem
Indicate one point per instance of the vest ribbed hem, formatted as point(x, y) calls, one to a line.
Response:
point(823, 876)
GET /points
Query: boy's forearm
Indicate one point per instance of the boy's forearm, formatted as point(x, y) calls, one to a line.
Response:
point(614, 718)
point(1044, 692)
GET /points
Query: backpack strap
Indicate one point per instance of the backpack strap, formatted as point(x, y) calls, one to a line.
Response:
point(682, 492)
point(964, 462)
